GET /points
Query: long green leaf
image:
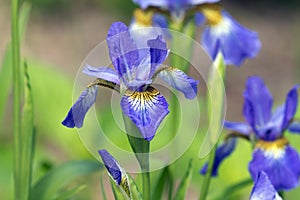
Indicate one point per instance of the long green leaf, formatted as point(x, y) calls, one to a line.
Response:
point(227, 194)
point(68, 194)
point(27, 137)
point(102, 188)
point(161, 183)
point(47, 187)
point(6, 65)
point(184, 184)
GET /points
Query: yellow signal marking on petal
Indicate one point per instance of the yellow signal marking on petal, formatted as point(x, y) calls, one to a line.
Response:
point(275, 148)
point(143, 17)
point(213, 13)
point(139, 99)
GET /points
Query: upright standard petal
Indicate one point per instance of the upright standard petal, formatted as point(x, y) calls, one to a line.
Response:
point(263, 189)
point(122, 49)
point(78, 111)
point(105, 73)
point(158, 53)
point(280, 162)
point(223, 151)
point(146, 109)
point(116, 172)
point(291, 104)
point(235, 42)
point(258, 103)
point(180, 81)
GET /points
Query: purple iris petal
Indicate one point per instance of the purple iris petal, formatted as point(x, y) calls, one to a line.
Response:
point(223, 151)
point(180, 81)
point(112, 166)
point(78, 111)
point(234, 41)
point(263, 189)
point(136, 84)
point(280, 164)
point(122, 49)
point(158, 53)
point(145, 3)
point(197, 2)
point(105, 73)
point(199, 19)
point(258, 102)
point(239, 127)
point(146, 109)
point(160, 20)
point(171, 4)
point(294, 127)
point(291, 104)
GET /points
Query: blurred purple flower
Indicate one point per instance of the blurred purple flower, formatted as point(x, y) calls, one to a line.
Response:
point(272, 153)
point(263, 189)
point(223, 151)
point(178, 7)
point(134, 71)
point(224, 34)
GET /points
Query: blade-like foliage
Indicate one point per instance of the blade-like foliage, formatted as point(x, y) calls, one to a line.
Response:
point(47, 186)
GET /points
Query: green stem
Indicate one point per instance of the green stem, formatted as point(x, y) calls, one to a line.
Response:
point(141, 148)
point(16, 98)
point(207, 177)
point(146, 185)
point(215, 112)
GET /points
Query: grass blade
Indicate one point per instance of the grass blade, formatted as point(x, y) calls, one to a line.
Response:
point(47, 187)
point(181, 191)
point(161, 183)
point(6, 69)
point(27, 138)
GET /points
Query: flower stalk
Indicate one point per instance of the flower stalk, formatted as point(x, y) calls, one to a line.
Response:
point(215, 112)
point(16, 98)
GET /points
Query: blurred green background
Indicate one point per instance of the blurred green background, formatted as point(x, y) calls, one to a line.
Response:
point(61, 33)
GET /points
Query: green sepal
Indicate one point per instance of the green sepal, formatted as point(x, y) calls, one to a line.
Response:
point(135, 192)
point(118, 193)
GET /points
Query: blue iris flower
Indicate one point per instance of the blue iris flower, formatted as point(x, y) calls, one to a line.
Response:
point(272, 154)
point(178, 7)
point(224, 34)
point(263, 189)
point(134, 72)
point(115, 171)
